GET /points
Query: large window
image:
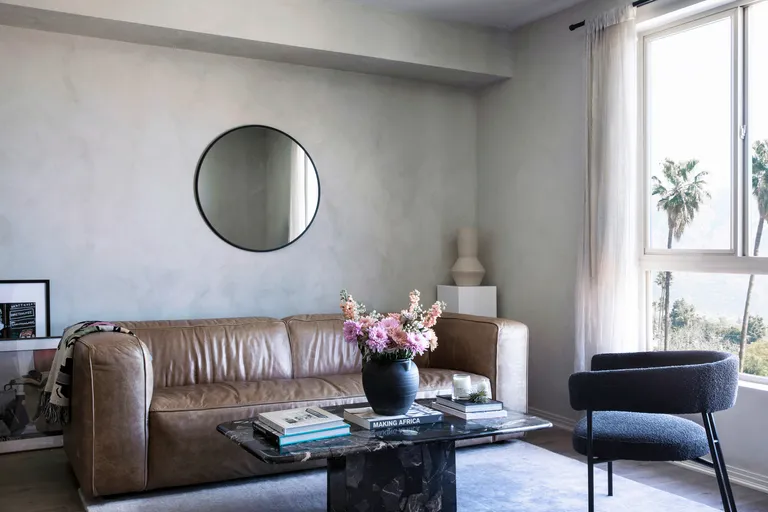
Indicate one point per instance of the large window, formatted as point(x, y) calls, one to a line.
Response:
point(705, 134)
point(706, 312)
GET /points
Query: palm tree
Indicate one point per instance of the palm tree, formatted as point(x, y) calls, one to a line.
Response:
point(680, 196)
point(760, 191)
point(660, 281)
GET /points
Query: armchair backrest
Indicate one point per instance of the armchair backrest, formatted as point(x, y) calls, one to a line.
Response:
point(681, 382)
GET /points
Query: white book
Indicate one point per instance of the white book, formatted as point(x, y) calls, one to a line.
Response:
point(469, 416)
point(468, 405)
point(303, 419)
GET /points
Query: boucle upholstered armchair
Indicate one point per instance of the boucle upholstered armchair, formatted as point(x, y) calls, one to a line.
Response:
point(631, 401)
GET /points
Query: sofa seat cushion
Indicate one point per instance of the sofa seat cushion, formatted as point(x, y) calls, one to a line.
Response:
point(285, 391)
point(264, 392)
point(186, 449)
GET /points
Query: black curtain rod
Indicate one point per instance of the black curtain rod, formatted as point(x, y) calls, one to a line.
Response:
point(638, 3)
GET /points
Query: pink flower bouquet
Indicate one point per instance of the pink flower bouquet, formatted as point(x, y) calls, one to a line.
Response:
point(394, 336)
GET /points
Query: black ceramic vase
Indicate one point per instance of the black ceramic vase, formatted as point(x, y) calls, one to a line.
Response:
point(390, 386)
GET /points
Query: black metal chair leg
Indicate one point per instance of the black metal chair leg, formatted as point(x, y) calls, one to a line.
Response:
point(721, 458)
point(590, 465)
point(610, 478)
point(717, 463)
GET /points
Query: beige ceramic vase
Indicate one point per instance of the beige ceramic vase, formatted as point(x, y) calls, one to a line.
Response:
point(467, 271)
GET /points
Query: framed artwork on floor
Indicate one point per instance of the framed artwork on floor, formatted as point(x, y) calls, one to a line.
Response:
point(26, 356)
point(25, 310)
point(24, 368)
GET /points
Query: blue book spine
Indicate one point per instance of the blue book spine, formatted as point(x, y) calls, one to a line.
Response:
point(288, 441)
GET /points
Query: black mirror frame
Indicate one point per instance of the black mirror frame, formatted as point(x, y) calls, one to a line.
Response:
point(200, 206)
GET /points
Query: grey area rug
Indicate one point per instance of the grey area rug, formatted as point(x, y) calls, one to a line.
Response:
point(514, 476)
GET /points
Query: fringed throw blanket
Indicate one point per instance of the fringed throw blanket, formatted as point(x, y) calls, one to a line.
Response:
point(54, 401)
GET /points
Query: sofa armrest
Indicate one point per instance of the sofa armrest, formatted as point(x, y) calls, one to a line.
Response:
point(493, 347)
point(107, 437)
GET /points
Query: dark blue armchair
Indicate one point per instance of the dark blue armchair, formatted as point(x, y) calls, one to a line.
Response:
point(630, 402)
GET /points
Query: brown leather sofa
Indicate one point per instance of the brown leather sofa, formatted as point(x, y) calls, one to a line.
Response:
point(144, 413)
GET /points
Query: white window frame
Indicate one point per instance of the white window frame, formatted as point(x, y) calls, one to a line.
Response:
point(735, 260)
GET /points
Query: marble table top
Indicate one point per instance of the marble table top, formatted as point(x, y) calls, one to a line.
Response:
point(367, 441)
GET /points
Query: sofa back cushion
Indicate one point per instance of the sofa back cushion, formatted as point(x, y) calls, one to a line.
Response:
point(319, 348)
point(187, 352)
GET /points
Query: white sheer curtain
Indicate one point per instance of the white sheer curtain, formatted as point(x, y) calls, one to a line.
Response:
point(607, 304)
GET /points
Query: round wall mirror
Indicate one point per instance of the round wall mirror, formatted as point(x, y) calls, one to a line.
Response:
point(257, 188)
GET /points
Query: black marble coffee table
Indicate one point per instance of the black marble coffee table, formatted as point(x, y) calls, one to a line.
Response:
point(405, 469)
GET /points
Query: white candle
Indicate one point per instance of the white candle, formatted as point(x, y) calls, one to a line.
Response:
point(462, 386)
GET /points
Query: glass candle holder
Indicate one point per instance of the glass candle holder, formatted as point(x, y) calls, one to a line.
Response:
point(462, 387)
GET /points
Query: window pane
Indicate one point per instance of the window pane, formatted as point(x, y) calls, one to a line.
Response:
point(757, 97)
point(705, 313)
point(690, 136)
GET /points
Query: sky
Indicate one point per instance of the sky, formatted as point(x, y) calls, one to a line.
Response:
point(690, 117)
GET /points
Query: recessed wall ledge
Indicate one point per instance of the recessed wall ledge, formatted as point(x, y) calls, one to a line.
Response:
point(754, 384)
point(334, 34)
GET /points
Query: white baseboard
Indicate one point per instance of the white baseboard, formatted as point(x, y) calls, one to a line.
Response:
point(739, 476)
point(562, 422)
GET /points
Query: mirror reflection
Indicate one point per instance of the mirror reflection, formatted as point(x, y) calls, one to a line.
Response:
point(257, 188)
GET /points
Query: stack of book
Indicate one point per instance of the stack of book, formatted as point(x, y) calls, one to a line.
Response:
point(469, 410)
point(416, 415)
point(300, 425)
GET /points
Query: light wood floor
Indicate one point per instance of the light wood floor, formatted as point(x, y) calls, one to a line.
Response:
point(42, 481)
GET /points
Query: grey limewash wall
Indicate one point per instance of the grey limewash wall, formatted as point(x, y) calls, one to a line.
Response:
point(98, 146)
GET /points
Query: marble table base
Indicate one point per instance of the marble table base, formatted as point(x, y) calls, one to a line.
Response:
point(409, 478)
